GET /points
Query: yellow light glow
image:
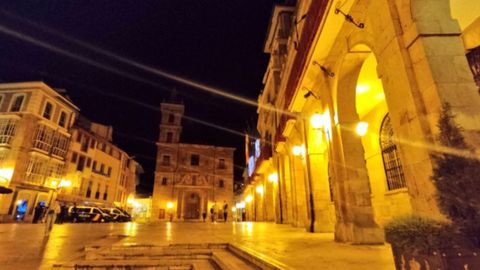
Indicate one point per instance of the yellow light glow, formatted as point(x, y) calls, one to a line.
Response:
point(259, 189)
point(54, 183)
point(273, 177)
point(65, 183)
point(362, 128)
point(234, 209)
point(362, 88)
point(298, 150)
point(249, 198)
point(169, 205)
point(6, 174)
point(18, 202)
point(317, 121)
point(130, 201)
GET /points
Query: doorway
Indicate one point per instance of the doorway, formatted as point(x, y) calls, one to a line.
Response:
point(192, 206)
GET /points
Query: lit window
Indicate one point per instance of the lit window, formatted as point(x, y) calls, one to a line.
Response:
point(391, 159)
point(17, 103)
point(47, 112)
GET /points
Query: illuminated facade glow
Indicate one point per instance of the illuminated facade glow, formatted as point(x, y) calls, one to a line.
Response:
point(372, 80)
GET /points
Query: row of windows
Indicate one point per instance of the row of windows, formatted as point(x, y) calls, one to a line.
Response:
point(48, 114)
point(16, 103)
point(82, 161)
point(88, 142)
point(96, 195)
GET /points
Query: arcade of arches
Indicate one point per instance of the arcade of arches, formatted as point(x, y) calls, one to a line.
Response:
point(351, 149)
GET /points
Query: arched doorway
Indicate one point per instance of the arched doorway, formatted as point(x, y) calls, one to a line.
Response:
point(383, 161)
point(192, 206)
point(367, 152)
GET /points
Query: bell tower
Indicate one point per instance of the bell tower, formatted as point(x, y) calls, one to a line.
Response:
point(171, 122)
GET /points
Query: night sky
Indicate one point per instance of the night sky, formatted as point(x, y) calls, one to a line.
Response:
point(216, 42)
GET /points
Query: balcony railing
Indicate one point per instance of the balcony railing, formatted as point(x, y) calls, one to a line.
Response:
point(7, 130)
point(35, 179)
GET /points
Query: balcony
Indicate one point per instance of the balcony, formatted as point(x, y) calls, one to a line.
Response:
point(35, 179)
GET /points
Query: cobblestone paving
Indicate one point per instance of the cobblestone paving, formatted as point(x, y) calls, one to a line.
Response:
point(23, 246)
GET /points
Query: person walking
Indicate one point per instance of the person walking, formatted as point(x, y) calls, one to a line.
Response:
point(204, 215)
point(50, 219)
point(74, 213)
point(37, 213)
point(212, 214)
point(225, 211)
point(63, 213)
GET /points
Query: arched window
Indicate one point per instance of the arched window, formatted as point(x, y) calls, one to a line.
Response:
point(391, 160)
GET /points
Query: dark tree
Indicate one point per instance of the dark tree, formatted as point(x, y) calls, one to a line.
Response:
point(457, 177)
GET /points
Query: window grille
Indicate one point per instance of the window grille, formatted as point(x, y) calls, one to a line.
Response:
point(391, 159)
point(60, 145)
point(43, 138)
point(7, 130)
point(36, 171)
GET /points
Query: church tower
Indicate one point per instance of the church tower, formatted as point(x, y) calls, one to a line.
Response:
point(171, 122)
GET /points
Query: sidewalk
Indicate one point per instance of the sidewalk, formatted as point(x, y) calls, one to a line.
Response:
point(22, 245)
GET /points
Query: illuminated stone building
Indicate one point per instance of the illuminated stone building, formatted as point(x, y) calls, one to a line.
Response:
point(348, 116)
point(189, 178)
point(100, 172)
point(48, 152)
point(34, 138)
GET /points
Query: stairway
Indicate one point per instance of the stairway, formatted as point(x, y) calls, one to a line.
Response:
point(214, 256)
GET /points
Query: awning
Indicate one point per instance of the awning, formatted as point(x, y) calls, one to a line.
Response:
point(4, 190)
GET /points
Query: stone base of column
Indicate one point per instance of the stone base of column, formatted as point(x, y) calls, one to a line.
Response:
point(355, 234)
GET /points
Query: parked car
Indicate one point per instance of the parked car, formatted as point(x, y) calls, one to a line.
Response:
point(117, 215)
point(89, 214)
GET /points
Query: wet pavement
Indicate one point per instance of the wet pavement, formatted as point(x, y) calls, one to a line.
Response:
point(23, 246)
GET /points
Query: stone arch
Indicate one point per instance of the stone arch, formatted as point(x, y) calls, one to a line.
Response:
point(355, 217)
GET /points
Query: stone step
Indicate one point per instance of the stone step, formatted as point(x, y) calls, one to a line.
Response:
point(139, 264)
point(228, 261)
point(255, 258)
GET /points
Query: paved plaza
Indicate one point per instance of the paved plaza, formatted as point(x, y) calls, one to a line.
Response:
point(23, 246)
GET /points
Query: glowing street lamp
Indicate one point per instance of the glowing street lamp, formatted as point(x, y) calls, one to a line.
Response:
point(273, 177)
point(169, 205)
point(298, 150)
point(64, 183)
point(249, 198)
point(259, 189)
point(317, 121)
point(361, 129)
